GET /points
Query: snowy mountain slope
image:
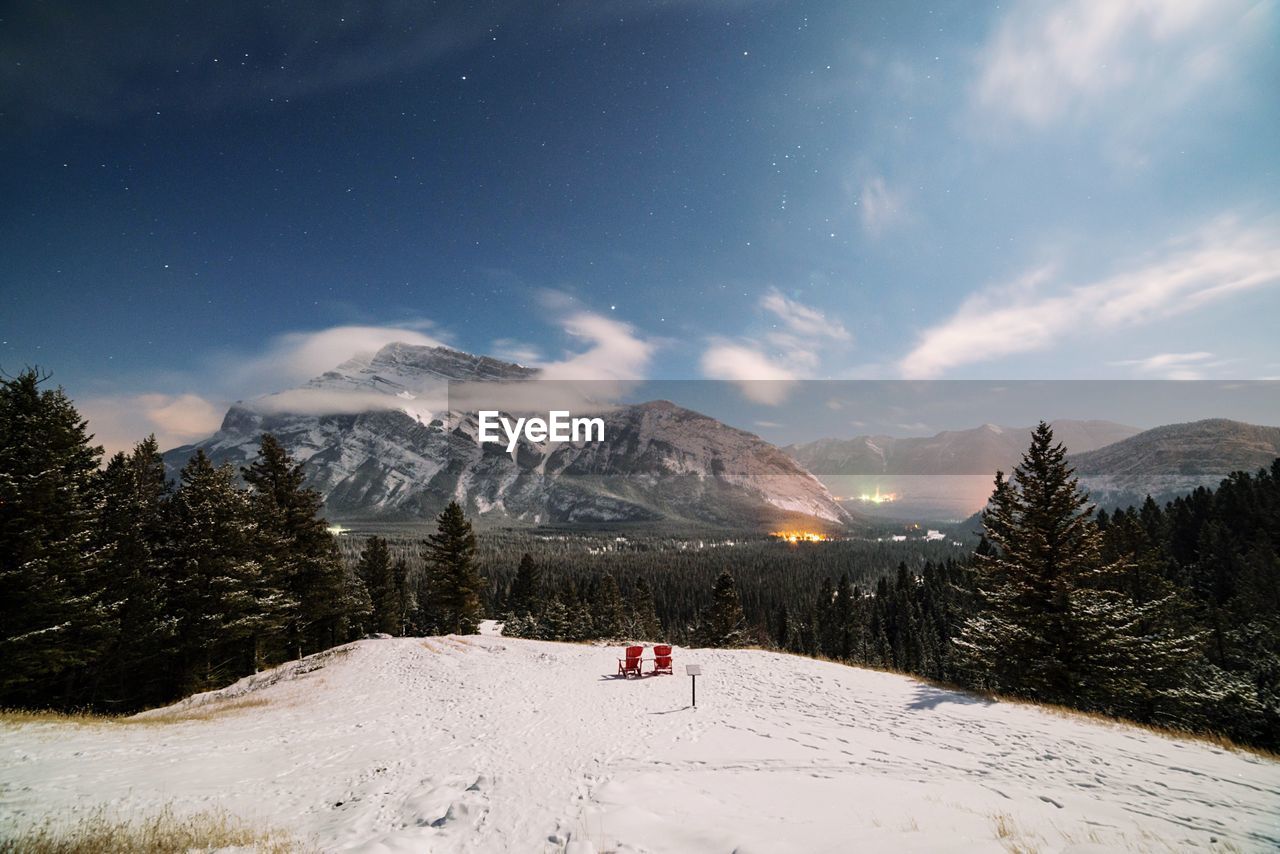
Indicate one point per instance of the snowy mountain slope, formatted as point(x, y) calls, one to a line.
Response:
point(946, 476)
point(378, 441)
point(487, 744)
point(981, 450)
point(1173, 460)
point(1214, 446)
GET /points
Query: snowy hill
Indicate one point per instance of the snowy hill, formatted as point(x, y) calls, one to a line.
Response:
point(378, 441)
point(981, 450)
point(1173, 460)
point(487, 744)
point(944, 476)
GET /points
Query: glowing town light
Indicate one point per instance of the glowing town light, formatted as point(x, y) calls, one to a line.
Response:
point(800, 536)
point(878, 497)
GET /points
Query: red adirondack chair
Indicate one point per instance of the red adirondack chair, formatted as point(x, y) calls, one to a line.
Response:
point(662, 660)
point(631, 664)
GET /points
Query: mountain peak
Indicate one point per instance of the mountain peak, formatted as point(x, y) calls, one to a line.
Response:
point(415, 368)
point(370, 443)
point(447, 363)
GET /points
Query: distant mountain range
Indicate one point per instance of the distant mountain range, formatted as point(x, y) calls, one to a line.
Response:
point(981, 450)
point(1174, 459)
point(1214, 446)
point(949, 475)
point(379, 442)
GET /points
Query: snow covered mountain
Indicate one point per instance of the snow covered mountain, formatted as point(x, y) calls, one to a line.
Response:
point(379, 440)
point(981, 450)
point(488, 744)
point(946, 476)
point(1174, 459)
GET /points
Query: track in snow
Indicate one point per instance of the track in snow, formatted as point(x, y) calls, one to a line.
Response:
point(486, 744)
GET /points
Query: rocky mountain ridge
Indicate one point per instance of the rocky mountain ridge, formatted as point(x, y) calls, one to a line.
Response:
point(379, 441)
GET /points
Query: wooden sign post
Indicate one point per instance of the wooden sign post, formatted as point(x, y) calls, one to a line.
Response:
point(694, 671)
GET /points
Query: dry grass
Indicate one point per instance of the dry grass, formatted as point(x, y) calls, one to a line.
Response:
point(163, 833)
point(1011, 837)
point(203, 712)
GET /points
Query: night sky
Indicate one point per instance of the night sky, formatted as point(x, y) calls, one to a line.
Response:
point(203, 202)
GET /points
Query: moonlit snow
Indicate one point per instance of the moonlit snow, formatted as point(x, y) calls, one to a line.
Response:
point(489, 744)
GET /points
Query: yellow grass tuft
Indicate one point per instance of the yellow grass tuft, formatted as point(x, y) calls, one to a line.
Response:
point(1010, 836)
point(165, 832)
point(203, 712)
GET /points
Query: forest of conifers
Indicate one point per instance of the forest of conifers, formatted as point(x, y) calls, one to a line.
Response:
point(121, 590)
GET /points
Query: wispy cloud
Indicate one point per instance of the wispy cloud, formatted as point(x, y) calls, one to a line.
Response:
point(764, 368)
point(1037, 311)
point(1050, 61)
point(516, 351)
point(286, 361)
point(614, 350)
point(1176, 366)
point(295, 357)
point(762, 379)
point(119, 422)
point(602, 349)
point(802, 323)
point(879, 206)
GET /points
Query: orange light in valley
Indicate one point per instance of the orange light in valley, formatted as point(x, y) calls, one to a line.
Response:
point(878, 497)
point(801, 536)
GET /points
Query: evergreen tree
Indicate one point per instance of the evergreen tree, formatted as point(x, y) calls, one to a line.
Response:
point(51, 621)
point(607, 612)
point(1169, 642)
point(842, 620)
point(134, 542)
point(554, 623)
point(518, 626)
point(455, 583)
point(723, 625)
point(354, 606)
point(781, 628)
point(644, 614)
point(380, 579)
point(298, 552)
point(526, 590)
point(222, 600)
point(824, 612)
point(400, 576)
point(1049, 624)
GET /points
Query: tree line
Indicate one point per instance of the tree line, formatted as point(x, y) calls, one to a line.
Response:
point(677, 571)
point(121, 590)
point(1166, 615)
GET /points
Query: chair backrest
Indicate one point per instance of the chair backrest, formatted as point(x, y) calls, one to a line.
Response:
point(634, 652)
point(662, 652)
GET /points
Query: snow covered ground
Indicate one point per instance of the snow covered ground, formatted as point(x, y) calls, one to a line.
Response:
point(487, 744)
